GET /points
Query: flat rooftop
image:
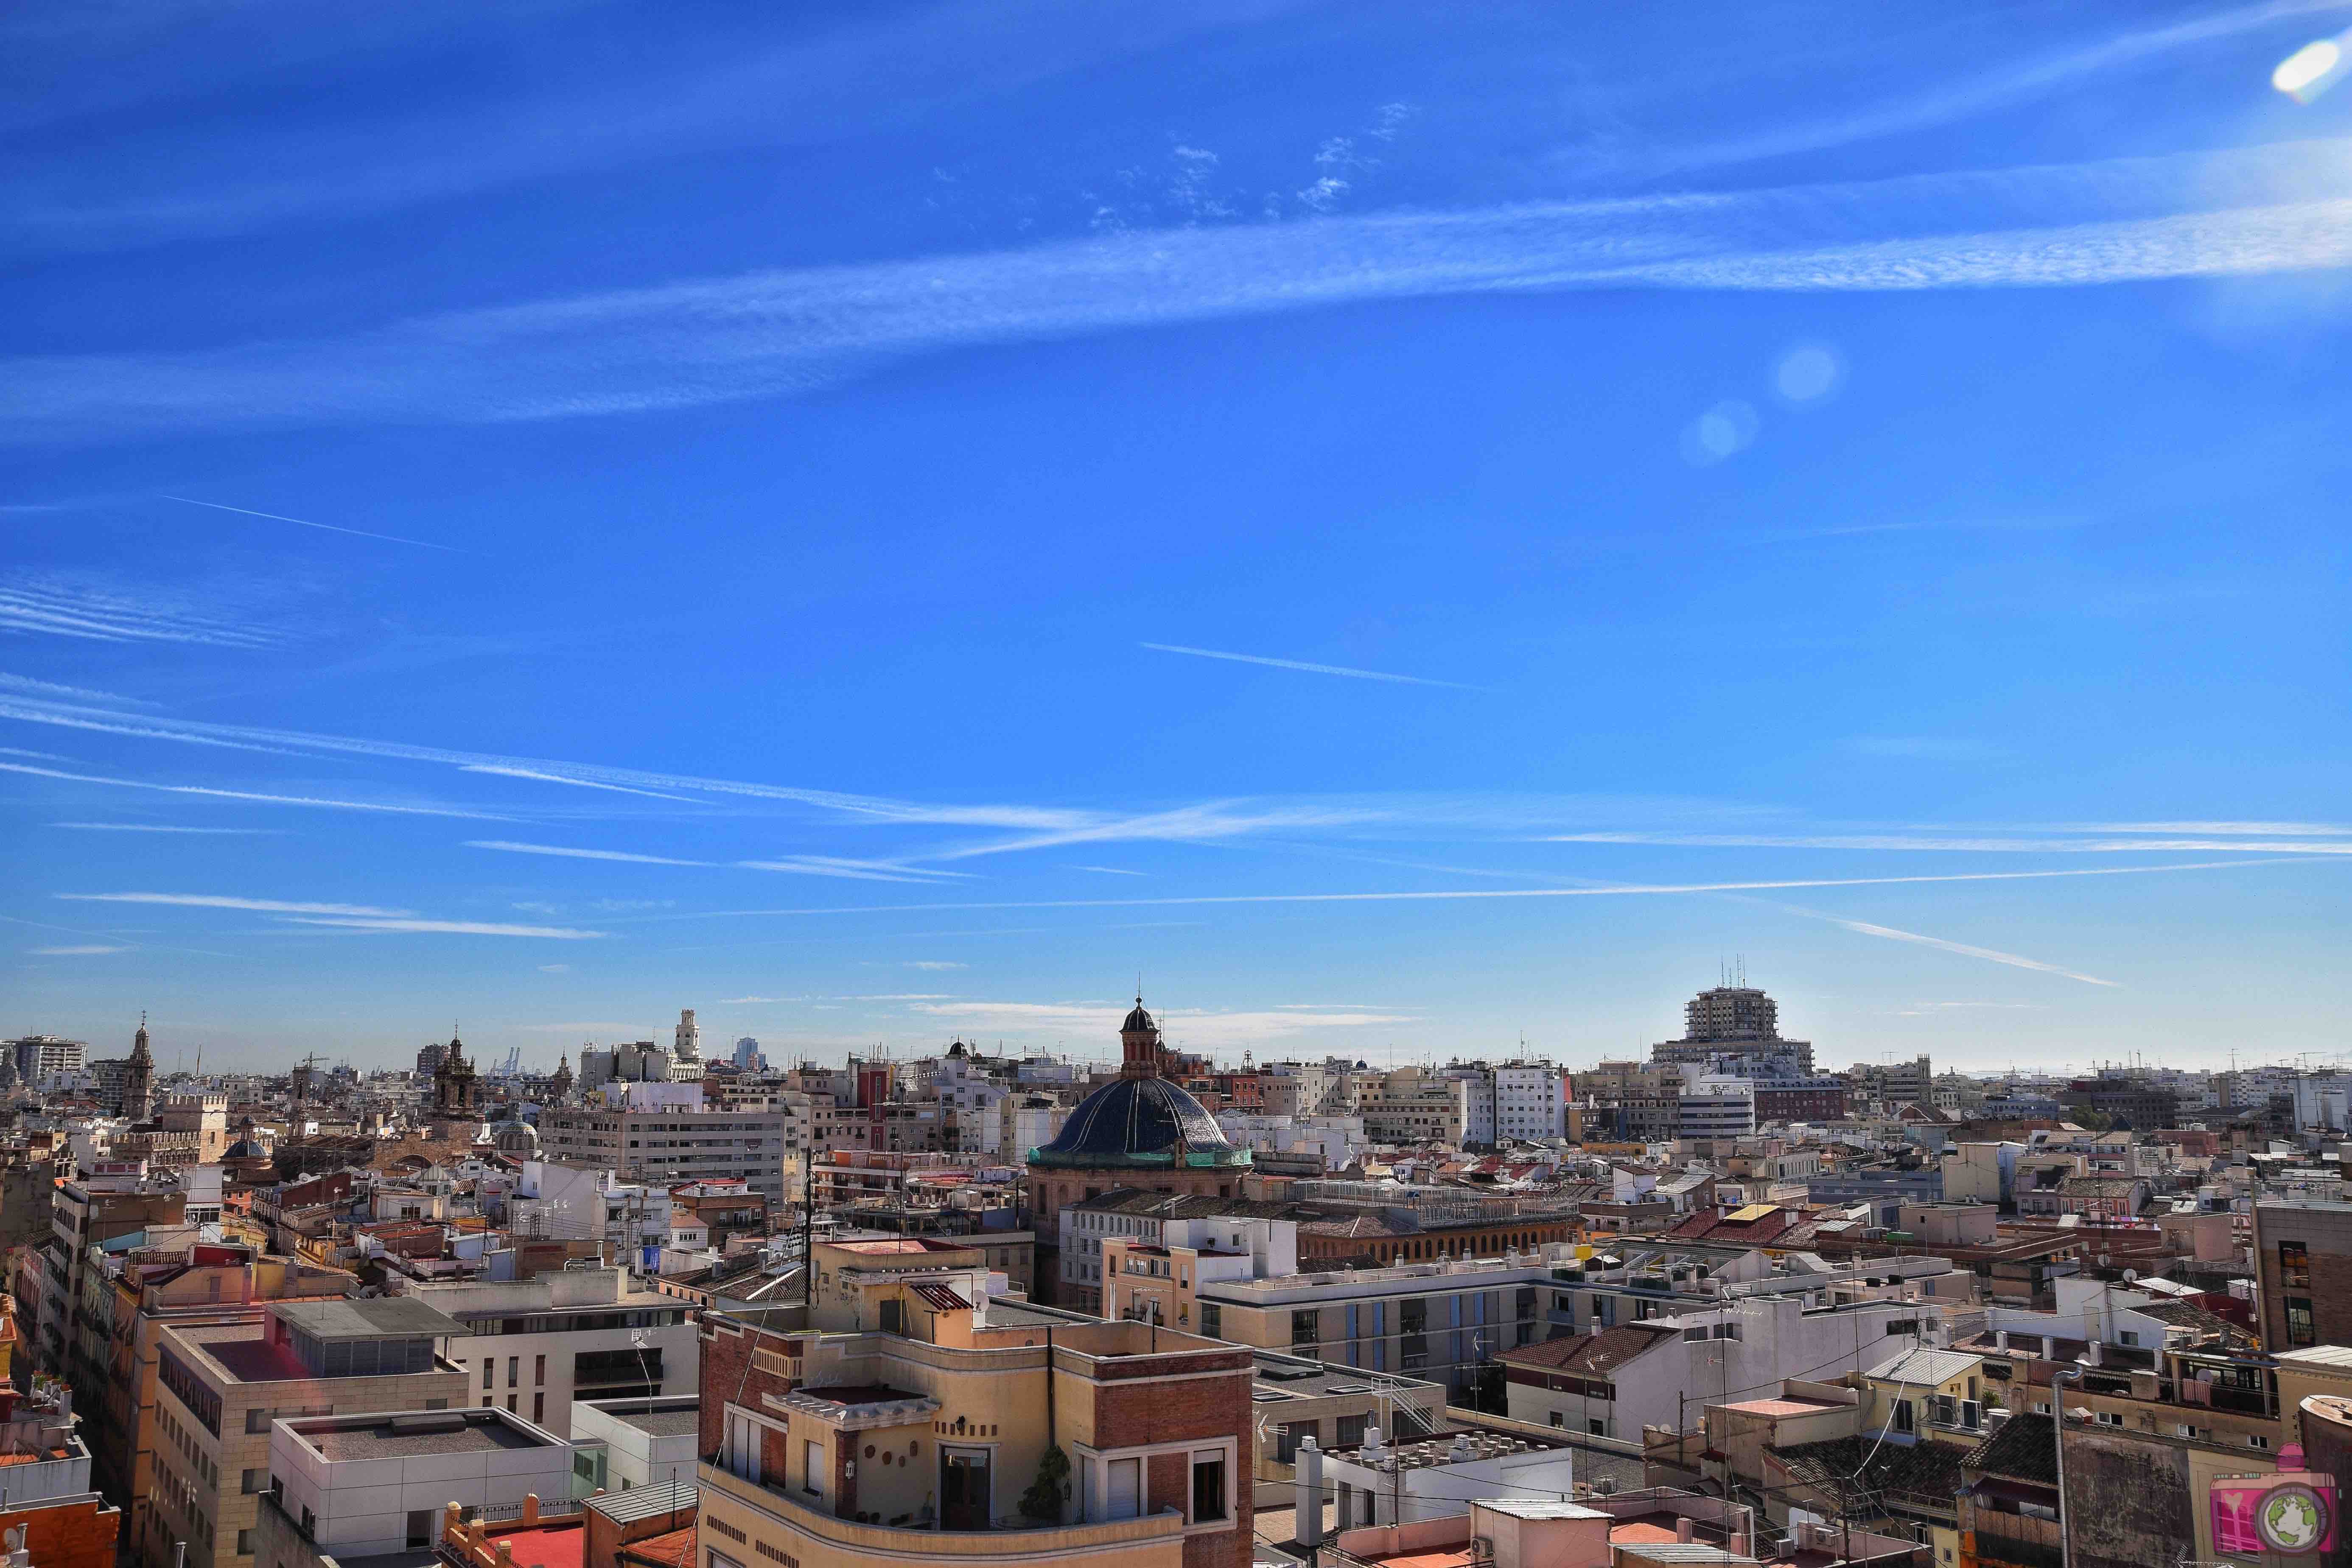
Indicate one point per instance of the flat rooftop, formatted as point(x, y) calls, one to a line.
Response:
point(671, 1418)
point(363, 1318)
point(403, 1438)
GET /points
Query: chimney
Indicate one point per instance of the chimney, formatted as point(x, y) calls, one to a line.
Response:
point(1683, 1530)
point(1307, 1493)
point(2000, 1338)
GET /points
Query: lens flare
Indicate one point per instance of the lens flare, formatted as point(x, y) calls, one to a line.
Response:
point(2312, 70)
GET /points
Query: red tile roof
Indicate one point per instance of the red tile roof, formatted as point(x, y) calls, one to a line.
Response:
point(545, 1545)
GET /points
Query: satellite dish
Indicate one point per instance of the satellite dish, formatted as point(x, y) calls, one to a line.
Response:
point(2130, 1276)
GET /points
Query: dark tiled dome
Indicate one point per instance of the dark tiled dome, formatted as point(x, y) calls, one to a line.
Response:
point(1138, 1122)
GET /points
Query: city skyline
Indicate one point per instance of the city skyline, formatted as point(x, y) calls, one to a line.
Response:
point(1412, 532)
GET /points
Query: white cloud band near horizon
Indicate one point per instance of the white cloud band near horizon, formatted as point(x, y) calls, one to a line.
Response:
point(2284, 208)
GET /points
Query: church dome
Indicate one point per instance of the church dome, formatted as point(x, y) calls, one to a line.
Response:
point(1139, 1123)
point(247, 1147)
point(1137, 1020)
point(516, 1138)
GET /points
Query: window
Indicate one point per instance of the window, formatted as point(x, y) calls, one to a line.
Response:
point(489, 1370)
point(254, 1481)
point(1213, 1320)
point(2302, 1326)
point(538, 1371)
point(812, 1469)
point(245, 1544)
point(1208, 1486)
point(2295, 1265)
point(514, 1370)
point(420, 1529)
point(1303, 1326)
point(1903, 1418)
point(1596, 1428)
point(1558, 1419)
point(2257, 1440)
point(539, 1407)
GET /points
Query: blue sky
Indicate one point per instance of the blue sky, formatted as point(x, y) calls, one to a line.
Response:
point(1409, 528)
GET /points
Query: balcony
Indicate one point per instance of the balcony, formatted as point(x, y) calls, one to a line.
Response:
point(1132, 1541)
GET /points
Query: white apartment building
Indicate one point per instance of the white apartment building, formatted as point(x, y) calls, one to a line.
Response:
point(1530, 1102)
point(970, 1098)
point(1266, 1245)
point(1661, 1371)
point(1715, 1105)
point(536, 1346)
point(1337, 1140)
point(676, 1144)
point(1478, 1101)
point(370, 1485)
point(621, 1445)
point(1027, 1121)
point(571, 1203)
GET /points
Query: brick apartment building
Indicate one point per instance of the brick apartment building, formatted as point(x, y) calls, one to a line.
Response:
point(2302, 1255)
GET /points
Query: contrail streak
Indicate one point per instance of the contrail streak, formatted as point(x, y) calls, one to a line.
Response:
point(330, 527)
point(1309, 669)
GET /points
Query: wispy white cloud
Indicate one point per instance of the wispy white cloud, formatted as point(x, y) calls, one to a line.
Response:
point(1199, 1028)
point(750, 1001)
point(247, 737)
point(31, 687)
point(88, 951)
point(935, 963)
point(1463, 894)
point(1924, 105)
point(258, 797)
point(1965, 950)
point(1205, 823)
point(2261, 211)
point(454, 928)
point(854, 871)
point(881, 68)
point(1300, 665)
point(541, 776)
point(62, 606)
point(1110, 871)
point(1925, 1009)
point(155, 828)
point(556, 969)
point(565, 852)
point(228, 901)
point(2235, 829)
point(328, 527)
point(803, 865)
point(2053, 845)
point(37, 756)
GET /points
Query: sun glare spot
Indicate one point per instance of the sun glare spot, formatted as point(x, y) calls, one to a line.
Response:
point(2310, 70)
